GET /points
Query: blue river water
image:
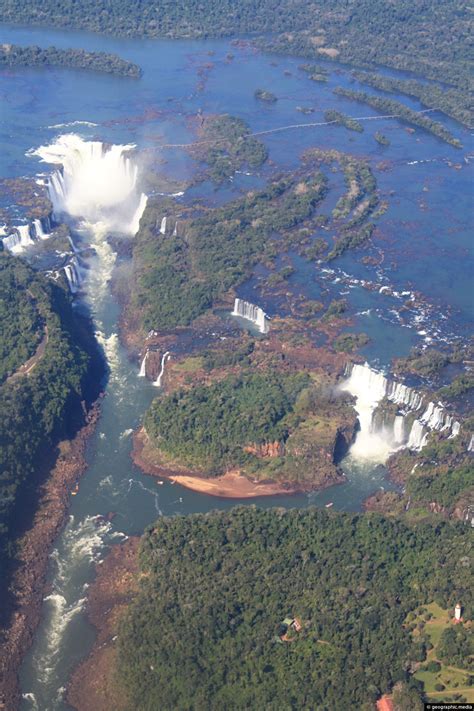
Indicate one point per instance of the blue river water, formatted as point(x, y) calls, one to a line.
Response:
point(424, 237)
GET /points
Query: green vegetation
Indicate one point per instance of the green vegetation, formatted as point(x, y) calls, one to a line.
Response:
point(22, 322)
point(414, 36)
point(227, 147)
point(228, 356)
point(461, 385)
point(445, 489)
point(451, 101)
point(395, 108)
point(350, 240)
point(381, 138)
point(343, 120)
point(335, 309)
point(316, 73)
point(11, 55)
point(37, 409)
point(202, 631)
point(456, 647)
point(450, 653)
point(179, 277)
point(426, 363)
point(264, 95)
point(209, 426)
point(349, 342)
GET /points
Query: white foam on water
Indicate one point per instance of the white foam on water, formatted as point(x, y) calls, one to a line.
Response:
point(95, 182)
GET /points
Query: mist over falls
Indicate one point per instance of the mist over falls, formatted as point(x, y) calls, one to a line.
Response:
point(384, 432)
point(95, 183)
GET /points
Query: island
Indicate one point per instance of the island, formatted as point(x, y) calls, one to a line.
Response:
point(12, 55)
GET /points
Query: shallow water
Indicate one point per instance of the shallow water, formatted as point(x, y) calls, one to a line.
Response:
point(424, 236)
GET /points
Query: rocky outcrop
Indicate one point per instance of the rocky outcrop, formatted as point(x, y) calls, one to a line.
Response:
point(266, 450)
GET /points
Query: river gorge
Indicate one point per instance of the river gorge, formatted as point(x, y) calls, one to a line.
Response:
point(93, 144)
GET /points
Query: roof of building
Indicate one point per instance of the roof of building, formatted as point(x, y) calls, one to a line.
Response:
point(385, 704)
point(288, 621)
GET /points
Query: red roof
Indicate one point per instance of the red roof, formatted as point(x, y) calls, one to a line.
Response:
point(385, 704)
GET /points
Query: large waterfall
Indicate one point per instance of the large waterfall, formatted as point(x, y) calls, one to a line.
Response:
point(415, 418)
point(252, 313)
point(95, 182)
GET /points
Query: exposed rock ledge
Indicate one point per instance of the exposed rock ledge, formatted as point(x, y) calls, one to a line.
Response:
point(231, 485)
point(93, 685)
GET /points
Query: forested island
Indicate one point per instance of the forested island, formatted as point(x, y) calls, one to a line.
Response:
point(250, 608)
point(451, 101)
point(413, 36)
point(395, 108)
point(12, 55)
point(225, 143)
point(224, 244)
point(333, 116)
point(265, 424)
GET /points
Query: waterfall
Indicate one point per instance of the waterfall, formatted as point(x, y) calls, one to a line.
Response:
point(252, 313)
point(12, 243)
point(470, 447)
point(142, 371)
point(25, 236)
point(16, 241)
point(166, 356)
point(175, 231)
point(39, 231)
point(418, 436)
point(399, 429)
point(94, 182)
point(73, 275)
point(376, 441)
point(163, 226)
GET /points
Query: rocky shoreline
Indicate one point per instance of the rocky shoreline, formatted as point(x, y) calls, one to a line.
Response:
point(231, 485)
point(29, 579)
point(92, 686)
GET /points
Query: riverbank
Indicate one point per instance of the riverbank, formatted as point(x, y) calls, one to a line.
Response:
point(29, 578)
point(231, 485)
point(92, 686)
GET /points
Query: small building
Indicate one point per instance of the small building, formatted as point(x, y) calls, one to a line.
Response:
point(289, 623)
point(385, 704)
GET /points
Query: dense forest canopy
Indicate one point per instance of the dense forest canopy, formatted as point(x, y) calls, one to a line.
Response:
point(417, 35)
point(210, 426)
point(12, 55)
point(37, 408)
point(205, 630)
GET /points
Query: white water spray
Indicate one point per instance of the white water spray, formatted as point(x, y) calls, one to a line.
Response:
point(96, 183)
point(375, 442)
point(166, 356)
point(252, 313)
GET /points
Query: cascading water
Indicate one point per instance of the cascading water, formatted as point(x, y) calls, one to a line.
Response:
point(39, 231)
point(163, 226)
point(96, 193)
point(142, 371)
point(252, 313)
point(95, 183)
point(376, 442)
point(166, 356)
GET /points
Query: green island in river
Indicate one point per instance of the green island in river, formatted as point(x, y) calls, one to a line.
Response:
point(251, 606)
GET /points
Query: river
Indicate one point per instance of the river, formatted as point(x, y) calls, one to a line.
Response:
point(424, 235)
